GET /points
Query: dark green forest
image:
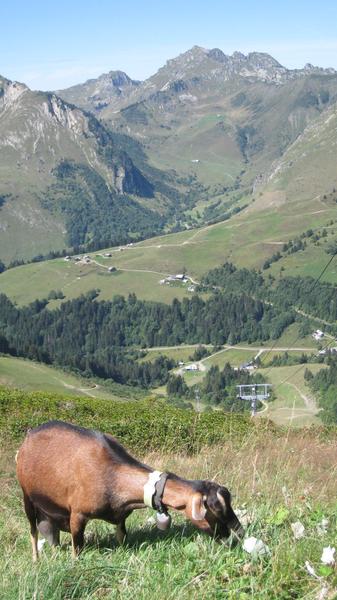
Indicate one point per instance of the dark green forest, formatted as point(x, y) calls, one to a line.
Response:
point(318, 299)
point(94, 215)
point(324, 386)
point(104, 338)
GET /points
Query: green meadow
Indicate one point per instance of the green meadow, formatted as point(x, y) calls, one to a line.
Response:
point(247, 239)
point(32, 376)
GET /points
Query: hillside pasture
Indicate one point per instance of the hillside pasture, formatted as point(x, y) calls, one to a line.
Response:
point(294, 404)
point(276, 479)
point(247, 239)
point(32, 376)
point(26, 283)
point(308, 262)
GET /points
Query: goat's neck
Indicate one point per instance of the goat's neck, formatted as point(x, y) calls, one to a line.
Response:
point(177, 492)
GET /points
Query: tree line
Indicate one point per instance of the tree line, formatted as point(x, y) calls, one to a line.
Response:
point(324, 386)
point(104, 338)
point(319, 299)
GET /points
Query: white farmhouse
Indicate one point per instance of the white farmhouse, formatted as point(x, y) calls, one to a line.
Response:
point(192, 367)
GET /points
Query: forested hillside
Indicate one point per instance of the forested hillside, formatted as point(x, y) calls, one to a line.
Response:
point(324, 385)
point(102, 338)
point(314, 297)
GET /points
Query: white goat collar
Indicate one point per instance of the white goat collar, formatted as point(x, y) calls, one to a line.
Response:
point(150, 487)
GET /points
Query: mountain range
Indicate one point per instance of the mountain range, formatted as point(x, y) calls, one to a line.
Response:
point(115, 159)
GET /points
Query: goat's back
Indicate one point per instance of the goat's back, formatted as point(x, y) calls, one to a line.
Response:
point(59, 465)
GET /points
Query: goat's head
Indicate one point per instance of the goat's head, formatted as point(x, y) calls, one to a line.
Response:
point(210, 509)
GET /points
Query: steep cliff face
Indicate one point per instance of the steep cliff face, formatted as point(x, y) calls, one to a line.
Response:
point(10, 91)
point(39, 131)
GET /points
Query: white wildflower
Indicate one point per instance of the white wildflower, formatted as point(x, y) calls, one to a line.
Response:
point(298, 530)
point(322, 527)
point(323, 593)
point(311, 569)
point(327, 557)
point(254, 546)
point(244, 516)
point(40, 544)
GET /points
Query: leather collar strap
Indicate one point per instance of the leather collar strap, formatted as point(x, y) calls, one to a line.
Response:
point(154, 490)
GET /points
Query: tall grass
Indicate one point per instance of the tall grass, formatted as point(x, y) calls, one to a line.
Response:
point(277, 480)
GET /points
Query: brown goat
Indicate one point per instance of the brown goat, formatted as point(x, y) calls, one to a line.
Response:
point(70, 475)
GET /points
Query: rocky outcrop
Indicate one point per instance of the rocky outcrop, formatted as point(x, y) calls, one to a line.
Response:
point(10, 91)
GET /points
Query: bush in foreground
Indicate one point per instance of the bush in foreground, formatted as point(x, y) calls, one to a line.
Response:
point(142, 426)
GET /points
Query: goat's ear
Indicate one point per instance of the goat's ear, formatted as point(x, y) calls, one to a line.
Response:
point(224, 498)
point(221, 500)
point(198, 507)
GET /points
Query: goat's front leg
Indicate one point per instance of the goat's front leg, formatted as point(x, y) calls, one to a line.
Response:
point(121, 532)
point(121, 529)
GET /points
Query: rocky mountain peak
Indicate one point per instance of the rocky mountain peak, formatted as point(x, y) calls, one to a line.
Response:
point(262, 59)
point(113, 78)
point(238, 55)
point(309, 68)
point(10, 91)
point(95, 94)
point(190, 58)
point(218, 55)
point(214, 65)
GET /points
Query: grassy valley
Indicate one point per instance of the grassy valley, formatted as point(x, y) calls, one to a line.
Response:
point(247, 239)
point(162, 243)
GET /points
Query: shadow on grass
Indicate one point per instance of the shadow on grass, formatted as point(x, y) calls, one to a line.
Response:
point(137, 538)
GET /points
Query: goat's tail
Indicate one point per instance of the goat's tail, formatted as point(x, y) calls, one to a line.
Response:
point(16, 456)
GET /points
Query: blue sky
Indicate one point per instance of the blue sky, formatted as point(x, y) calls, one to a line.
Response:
point(50, 45)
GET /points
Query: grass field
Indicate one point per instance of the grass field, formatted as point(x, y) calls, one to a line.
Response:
point(275, 481)
point(235, 357)
point(32, 376)
point(182, 353)
point(199, 136)
point(308, 262)
point(294, 405)
point(247, 239)
point(74, 279)
point(291, 337)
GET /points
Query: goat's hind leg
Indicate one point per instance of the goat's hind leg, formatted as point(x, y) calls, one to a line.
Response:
point(31, 516)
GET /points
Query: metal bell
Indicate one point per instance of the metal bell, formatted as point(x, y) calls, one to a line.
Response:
point(163, 521)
